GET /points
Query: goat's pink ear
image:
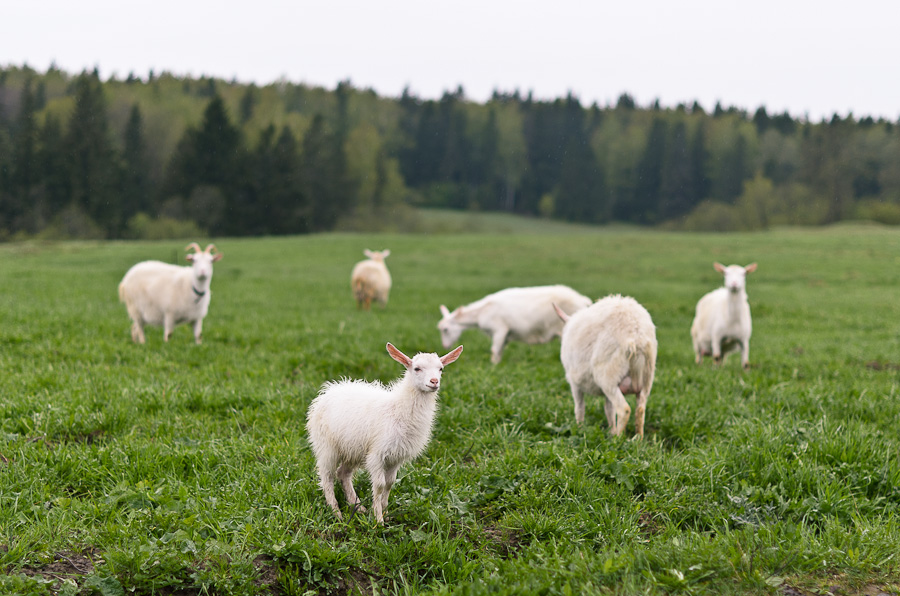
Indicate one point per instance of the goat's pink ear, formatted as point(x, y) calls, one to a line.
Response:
point(750, 268)
point(217, 257)
point(560, 312)
point(452, 356)
point(719, 267)
point(385, 253)
point(367, 252)
point(445, 311)
point(398, 355)
point(189, 256)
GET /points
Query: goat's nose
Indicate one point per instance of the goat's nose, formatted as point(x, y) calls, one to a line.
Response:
point(434, 381)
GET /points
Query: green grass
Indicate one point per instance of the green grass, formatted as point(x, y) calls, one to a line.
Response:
point(182, 469)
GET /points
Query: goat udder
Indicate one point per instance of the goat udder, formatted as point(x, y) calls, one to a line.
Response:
point(626, 387)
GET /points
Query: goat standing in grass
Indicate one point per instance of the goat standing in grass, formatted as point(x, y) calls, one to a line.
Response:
point(513, 314)
point(371, 280)
point(353, 424)
point(157, 293)
point(610, 347)
point(722, 322)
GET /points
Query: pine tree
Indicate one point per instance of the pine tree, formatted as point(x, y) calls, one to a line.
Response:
point(210, 157)
point(25, 171)
point(53, 165)
point(90, 154)
point(675, 192)
point(135, 184)
point(699, 164)
point(317, 172)
point(248, 103)
point(291, 211)
point(644, 208)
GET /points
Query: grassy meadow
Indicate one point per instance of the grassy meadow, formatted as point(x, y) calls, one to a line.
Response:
point(176, 469)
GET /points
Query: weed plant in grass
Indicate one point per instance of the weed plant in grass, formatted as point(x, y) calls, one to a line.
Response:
point(184, 469)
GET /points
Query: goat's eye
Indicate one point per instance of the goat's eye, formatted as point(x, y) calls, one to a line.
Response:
point(417, 369)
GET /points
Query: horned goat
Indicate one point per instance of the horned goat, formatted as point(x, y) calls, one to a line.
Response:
point(520, 314)
point(722, 321)
point(371, 279)
point(160, 294)
point(610, 347)
point(354, 424)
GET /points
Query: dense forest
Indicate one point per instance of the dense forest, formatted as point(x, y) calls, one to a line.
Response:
point(165, 156)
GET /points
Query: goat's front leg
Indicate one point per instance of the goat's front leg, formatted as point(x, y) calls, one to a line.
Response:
point(745, 354)
point(498, 340)
point(380, 488)
point(198, 331)
point(717, 349)
point(345, 475)
point(380, 504)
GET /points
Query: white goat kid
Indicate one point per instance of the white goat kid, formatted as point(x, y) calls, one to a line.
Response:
point(610, 347)
point(160, 294)
point(371, 280)
point(519, 314)
point(722, 322)
point(354, 424)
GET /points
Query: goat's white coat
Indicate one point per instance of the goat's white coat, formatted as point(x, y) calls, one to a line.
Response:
point(371, 280)
point(513, 314)
point(354, 424)
point(160, 294)
point(610, 348)
point(722, 322)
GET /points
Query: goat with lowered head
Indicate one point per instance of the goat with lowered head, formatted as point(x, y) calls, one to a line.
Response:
point(160, 294)
point(610, 347)
point(722, 321)
point(519, 314)
point(353, 424)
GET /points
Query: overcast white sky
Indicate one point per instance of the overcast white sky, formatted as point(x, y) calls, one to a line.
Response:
point(809, 57)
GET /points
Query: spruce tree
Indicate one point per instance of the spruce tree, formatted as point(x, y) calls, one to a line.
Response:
point(645, 207)
point(135, 184)
point(675, 192)
point(25, 172)
point(90, 155)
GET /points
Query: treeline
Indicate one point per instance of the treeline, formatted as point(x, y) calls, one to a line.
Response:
point(173, 156)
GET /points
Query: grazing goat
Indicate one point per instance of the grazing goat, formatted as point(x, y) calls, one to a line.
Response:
point(722, 322)
point(520, 314)
point(354, 423)
point(610, 347)
point(156, 293)
point(371, 279)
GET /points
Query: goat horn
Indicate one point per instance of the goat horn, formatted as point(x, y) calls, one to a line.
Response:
point(193, 245)
point(211, 249)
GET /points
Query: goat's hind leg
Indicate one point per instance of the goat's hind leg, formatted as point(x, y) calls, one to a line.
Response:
point(137, 332)
point(326, 479)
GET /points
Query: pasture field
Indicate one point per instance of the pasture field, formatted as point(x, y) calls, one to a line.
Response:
point(176, 469)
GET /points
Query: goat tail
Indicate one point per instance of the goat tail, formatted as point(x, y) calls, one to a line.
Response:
point(122, 292)
point(641, 356)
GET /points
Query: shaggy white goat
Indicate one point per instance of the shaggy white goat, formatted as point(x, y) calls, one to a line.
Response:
point(355, 423)
point(520, 314)
point(371, 279)
point(156, 293)
point(610, 347)
point(722, 323)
